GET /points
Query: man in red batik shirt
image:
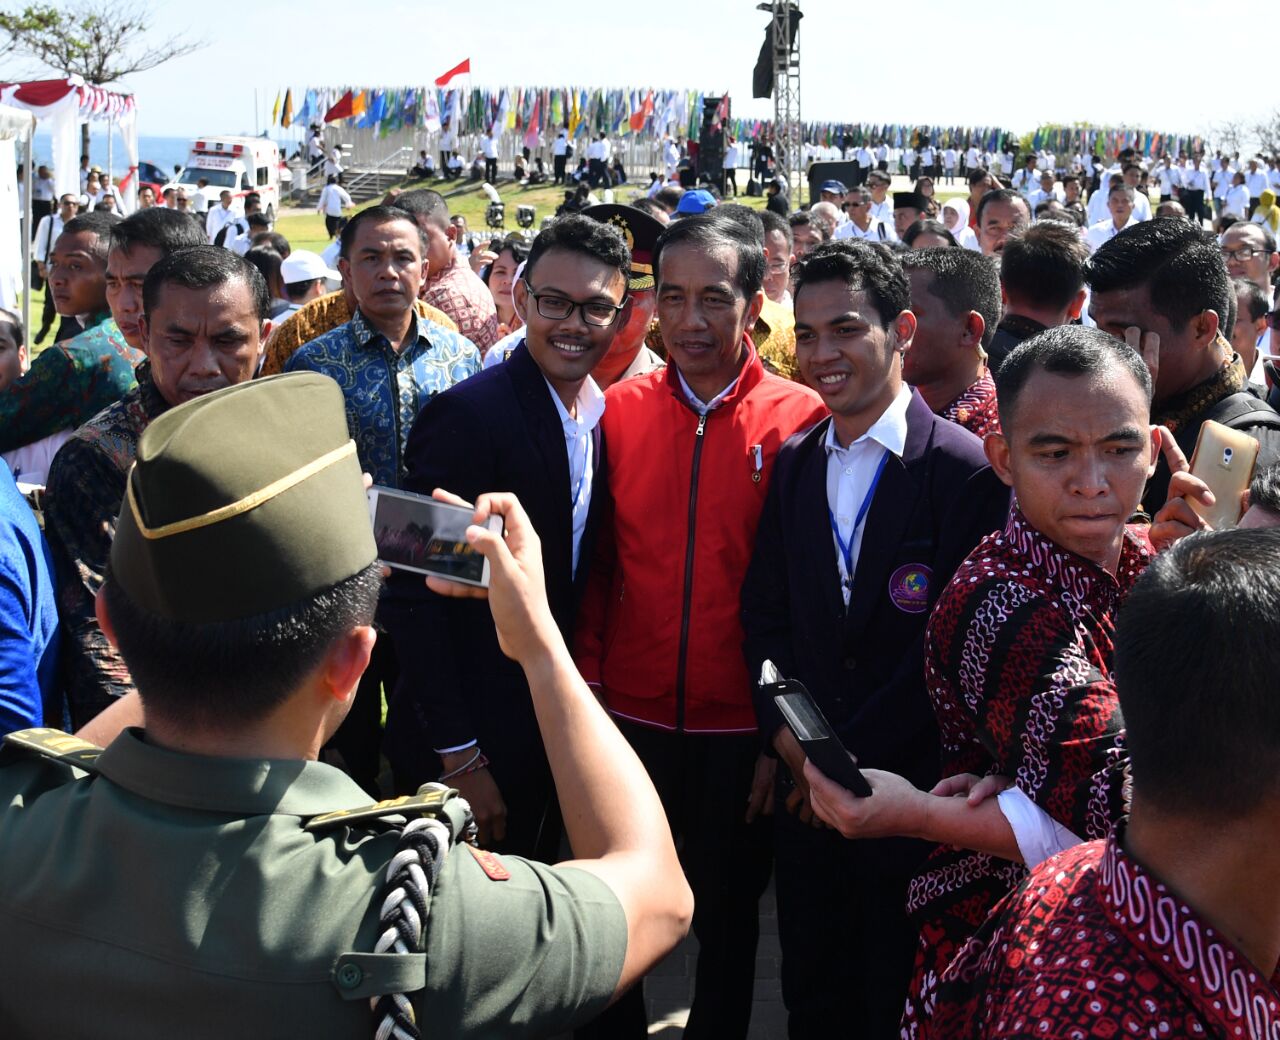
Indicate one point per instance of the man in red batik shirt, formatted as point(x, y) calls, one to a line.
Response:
point(1018, 649)
point(1171, 926)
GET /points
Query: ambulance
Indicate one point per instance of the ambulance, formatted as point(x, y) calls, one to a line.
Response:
point(236, 164)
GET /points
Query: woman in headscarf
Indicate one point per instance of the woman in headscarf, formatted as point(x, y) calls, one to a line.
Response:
point(955, 218)
point(1268, 213)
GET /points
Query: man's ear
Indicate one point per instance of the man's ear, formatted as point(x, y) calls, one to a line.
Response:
point(753, 310)
point(520, 297)
point(144, 333)
point(904, 331)
point(346, 660)
point(1205, 327)
point(996, 448)
point(104, 617)
point(975, 327)
point(1077, 305)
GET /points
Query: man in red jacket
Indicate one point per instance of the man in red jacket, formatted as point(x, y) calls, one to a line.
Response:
point(691, 448)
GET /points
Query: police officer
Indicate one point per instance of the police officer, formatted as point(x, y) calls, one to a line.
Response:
point(206, 875)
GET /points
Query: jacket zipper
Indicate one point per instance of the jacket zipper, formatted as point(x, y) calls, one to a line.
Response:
point(683, 656)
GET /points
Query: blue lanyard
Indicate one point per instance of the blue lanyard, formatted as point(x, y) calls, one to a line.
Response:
point(846, 548)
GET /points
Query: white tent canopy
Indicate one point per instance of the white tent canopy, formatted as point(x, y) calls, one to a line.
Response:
point(14, 124)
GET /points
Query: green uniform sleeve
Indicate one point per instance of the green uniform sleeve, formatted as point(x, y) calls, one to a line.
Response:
point(533, 955)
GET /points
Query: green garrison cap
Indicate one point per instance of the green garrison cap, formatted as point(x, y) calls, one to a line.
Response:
point(243, 502)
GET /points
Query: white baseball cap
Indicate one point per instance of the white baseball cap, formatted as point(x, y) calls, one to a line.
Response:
point(302, 265)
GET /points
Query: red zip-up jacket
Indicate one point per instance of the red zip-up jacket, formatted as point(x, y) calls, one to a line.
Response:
point(659, 631)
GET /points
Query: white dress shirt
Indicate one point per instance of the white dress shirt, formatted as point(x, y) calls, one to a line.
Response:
point(218, 218)
point(1256, 182)
point(588, 409)
point(877, 231)
point(1191, 179)
point(850, 473)
point(333, 199)
point(489, 146)
point(882, 211)
point(971, 157)
point(560, 146)
point(1237, 200)
point(1105, 231)
point(47, 232)
point(697, 403)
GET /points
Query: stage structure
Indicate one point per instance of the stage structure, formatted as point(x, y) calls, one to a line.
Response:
point(784, 36)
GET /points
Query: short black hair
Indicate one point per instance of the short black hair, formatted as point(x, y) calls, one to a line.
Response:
point(229, 673)
point(273, 240)
point(258, 220)
point(1256, 302)
point(295, 291)
point(268, 263)
point(928, 227)
point(99, 224)
point(1196, 660)
point(711, 229)
point(999, 195)
point(977, 175)
point(157, 228)
point(1044, 264)
point(1065, 350)
point(746, 216)
point(1180, 264)
point(962, 281)
point(867, 267)
point(801, 218)
point(381, 215)
point(426, 203)
point(1264, 492)
point(651, 206)
point(668, 198)
point(204, 267)
point(578, 234)
point(14, 321)
point(776, 222)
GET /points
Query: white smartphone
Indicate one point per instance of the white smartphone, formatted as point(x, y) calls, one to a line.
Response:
point(417, 533)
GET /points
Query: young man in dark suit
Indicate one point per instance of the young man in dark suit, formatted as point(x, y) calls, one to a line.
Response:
point(529, 426)
point(868, 514)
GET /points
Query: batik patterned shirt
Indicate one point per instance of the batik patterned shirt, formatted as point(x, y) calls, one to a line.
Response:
point(1018, 666)
point(1094, 945)
point(976, 409)
point(384, 390)
point(68, 383)
point(85, 490)
point(459, 292)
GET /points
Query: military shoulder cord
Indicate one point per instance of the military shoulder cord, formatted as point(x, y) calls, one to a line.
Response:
point(411, 874)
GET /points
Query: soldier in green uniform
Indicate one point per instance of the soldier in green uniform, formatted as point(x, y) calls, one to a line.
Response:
point(206, 876)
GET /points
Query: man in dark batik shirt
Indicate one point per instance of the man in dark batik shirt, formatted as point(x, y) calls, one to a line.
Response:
point(199, 336)
point(1168, 927)
point(1018, 649)
point(955, 296)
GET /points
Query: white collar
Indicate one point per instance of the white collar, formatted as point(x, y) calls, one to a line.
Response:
point(889, 431)
point(697, 404)
point(589, 405)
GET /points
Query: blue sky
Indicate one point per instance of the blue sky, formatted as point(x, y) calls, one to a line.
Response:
point(925, 62)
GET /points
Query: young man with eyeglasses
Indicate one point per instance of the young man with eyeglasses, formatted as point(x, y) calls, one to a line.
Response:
point(530, 426)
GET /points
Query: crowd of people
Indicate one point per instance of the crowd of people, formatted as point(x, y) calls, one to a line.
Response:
point(927, 457)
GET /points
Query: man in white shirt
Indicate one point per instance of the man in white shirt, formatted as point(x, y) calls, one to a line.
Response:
point(1120, 206)
point(881, 207)
point(972, 158)
point(1273, 173)
point(949, 158)
point(43, 194)
point(559, 155)
point(882, 156)
point(333, 201)
point(1250, 253)
point(861, 224)
point(333, 163)
point(219, 216)
point(315, 148)
point(448, 144)
point(1193, 187)
point(1006, 162)
point(1026, 179)
point(928, 155)
point(1132, 175)
point(200, 199)
point(1256, 181)
point(1169, 178)
point(598, 161)
point(489, 147)
point(670, 156)
point(1222, 176)
point(1046, 192)
point(865, 159)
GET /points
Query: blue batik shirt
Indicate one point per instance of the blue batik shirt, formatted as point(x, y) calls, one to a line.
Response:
point(384, 390)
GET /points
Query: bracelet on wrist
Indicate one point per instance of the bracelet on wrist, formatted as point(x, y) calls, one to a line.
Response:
point(475, 763)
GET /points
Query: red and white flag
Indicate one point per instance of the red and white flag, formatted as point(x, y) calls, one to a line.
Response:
point(461, 69)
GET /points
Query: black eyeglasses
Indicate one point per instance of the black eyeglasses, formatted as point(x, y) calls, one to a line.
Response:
point(557, 308)
point(1245, 254)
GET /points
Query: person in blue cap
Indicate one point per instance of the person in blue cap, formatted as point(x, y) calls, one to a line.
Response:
point(698, 200)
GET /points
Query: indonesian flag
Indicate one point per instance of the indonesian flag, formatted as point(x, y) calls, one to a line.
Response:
point(462, 69)
point(641, 115)
point(341, 110)
point(722, 112)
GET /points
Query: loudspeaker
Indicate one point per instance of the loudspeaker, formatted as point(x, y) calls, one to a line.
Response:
point(711, 142)
point(830, 171)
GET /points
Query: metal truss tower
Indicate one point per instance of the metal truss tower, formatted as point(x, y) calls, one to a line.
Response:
point(788, 137)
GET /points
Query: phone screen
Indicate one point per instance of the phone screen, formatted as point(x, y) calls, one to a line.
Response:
point(420, 534)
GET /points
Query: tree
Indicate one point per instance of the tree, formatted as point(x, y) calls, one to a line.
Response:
point(1267, 133)
point(102, 41)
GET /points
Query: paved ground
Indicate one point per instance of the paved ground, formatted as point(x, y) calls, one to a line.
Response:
point(669, 988)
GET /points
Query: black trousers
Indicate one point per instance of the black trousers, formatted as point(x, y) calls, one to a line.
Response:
point(703, 782)
point(491, 170)
point(557, 168)
point(40, 208)
point(331, 225)
point(1193, 203)
point(847, 944)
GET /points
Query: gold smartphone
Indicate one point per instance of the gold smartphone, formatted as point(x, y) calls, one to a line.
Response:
point(1224, 459)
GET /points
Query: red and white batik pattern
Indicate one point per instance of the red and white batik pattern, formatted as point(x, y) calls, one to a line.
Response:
point(976, 408)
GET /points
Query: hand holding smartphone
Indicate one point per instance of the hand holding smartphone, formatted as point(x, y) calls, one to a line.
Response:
point(421, 534)
point(1224, 459)
point(809, 726)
